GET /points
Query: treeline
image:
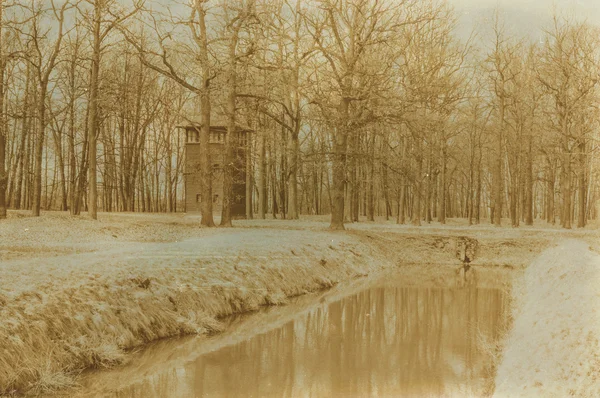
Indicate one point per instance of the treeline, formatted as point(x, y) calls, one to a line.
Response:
point(359, 108)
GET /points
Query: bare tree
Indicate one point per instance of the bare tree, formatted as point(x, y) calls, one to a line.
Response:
point(345, 34)
point(103, 20)
point(162, 59)
point(3, 134)
point(500, 60)
point(568, 72)
point(236, 16)
point(44, 62)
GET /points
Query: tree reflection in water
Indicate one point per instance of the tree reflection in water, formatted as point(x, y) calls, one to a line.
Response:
point(402, 341)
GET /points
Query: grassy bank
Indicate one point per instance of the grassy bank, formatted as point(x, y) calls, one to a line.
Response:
point(77, 294)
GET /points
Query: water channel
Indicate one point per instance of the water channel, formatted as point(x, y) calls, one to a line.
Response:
point(384, 340)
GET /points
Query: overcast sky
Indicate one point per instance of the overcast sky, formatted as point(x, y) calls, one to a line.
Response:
point(523, 17)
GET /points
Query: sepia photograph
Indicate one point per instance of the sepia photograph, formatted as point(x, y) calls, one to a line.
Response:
point(300, 198)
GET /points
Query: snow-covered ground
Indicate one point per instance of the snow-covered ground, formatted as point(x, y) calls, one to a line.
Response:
point(553, 349)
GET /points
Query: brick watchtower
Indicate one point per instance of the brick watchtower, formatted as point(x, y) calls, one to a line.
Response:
point(193, 194)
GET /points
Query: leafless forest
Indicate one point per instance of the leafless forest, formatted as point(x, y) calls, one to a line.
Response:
point(358, 107)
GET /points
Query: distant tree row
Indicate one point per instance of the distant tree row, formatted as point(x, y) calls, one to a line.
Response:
point(359, 108)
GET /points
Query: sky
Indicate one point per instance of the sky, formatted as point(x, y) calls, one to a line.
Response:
point(522, 17)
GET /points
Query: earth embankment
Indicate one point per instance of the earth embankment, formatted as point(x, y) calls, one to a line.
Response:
point(77, 294)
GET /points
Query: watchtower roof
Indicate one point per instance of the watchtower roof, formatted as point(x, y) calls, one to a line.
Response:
point(216, 124)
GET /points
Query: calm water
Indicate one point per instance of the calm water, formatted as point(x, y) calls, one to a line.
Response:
point(384, 341)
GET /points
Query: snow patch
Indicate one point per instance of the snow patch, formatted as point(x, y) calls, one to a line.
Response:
point(553, 349)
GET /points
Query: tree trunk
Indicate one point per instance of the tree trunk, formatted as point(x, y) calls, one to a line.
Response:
point(293, 150)
point(206, 208)
point(249, 178)
point(416, 214)
point(230, 138)
point(262, 173)
point(28, 191)
point(281, 193)
point(168, 175)
point(550, 212)
point(83, 169)
point(401, 219)
point(428, 190)
point(39, 152)
point(273, 177)
point(3, 132)
point(471, 177)
point(582, 205)
point(22, 158)
point(339, 168)
point(93, 115)
point(61, 168)
point(442, 189)
point(371, 182)
point(513, 175)
point(71, 140)
point(497, 178)
point(529, 182)
point(478, 194)
point(566, 179)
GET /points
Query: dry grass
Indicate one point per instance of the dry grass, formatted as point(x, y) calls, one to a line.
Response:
point(91, 312)
point(80, 294)
point(49, 379)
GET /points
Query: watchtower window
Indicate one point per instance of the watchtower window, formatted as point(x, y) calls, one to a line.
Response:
point(192, 135)
point(198, 198)
point(241, 137)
